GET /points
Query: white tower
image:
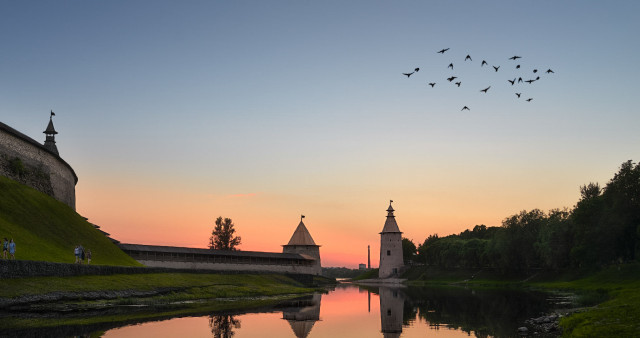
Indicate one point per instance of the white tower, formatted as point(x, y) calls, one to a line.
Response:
point(390, 247)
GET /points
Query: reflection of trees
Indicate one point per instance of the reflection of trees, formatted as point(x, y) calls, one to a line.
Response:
point(486, 312)
point(222, 326)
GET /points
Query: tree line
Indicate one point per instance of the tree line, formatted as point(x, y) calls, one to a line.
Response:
point(603, 228)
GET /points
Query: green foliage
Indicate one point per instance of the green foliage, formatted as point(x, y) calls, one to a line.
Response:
point(602, 229)
point(373, 273)
point(17, 167)
point(409, 251)
point(45, 229)
point(222, 236)
point(341, 272)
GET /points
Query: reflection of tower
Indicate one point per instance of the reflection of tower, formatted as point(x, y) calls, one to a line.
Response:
point(302, 318)
point(390, 247)
point(302, 243)
point(368, 256)
point(391, 312)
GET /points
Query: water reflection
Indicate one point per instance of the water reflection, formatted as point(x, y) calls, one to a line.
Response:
point(222, 325)
point(391, 312)
point(346, 311)
point(304, 316)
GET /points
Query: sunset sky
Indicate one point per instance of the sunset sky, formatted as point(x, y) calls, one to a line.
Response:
point(173, 113)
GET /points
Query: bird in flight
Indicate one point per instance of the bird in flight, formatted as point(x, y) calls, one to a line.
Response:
point(432, 84)
point(408, 74)
point(452, 78)
point(537, 78)
point(468, 57)
point(519, 79)
point(483, 63)
point(535, 71)
point(496, 68)
point(459, 83)
point(417, 69)
point(529, 99)
point(485, 90)
point(515, 57)
point(450, 66)
point(518, 67)
point(465, 107)
point(512, 82)
point(550, 71)
point(444, 50)
point(518, 94)
point(530, 81)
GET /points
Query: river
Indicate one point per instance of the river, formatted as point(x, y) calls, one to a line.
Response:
point(352, 311)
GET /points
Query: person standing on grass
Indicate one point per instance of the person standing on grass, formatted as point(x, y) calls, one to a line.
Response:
point(12, 249)
point(76, 252)
point(5, 247)
point(88, 256)
point(81, 255)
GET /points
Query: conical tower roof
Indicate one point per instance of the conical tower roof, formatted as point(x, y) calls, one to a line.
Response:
point(50, 129)
point(390, 224)
point(301, 236)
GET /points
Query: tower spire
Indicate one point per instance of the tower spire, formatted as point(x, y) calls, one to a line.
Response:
point(50, 132)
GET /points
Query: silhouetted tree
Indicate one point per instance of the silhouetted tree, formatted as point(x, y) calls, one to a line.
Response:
point(222, 236)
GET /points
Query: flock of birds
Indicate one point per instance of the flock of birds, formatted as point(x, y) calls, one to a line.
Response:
point(516, 80)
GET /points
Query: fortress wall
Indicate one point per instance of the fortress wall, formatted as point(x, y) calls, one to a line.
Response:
point(276, 268)
point(59, 174)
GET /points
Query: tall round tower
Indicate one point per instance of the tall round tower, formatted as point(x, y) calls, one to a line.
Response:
point(390, 247)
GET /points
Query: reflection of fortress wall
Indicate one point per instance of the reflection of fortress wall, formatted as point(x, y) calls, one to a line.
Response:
point(390, 247)
point(302, 320)
point(391, 312)
point(46, 171)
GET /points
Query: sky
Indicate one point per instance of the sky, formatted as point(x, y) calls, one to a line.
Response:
point(174, 113)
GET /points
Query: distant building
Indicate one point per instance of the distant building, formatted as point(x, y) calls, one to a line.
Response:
point(362, 266)
point(390, 247)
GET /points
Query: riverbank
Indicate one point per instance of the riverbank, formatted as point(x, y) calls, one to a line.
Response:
point(609, 300)
point(53, 301)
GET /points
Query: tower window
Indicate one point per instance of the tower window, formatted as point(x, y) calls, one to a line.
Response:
point(388, 252)
point(389, 312)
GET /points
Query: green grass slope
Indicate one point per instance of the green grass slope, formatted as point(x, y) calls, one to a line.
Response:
point(45, 229)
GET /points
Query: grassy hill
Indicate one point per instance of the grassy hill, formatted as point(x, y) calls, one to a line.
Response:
point(45, 229)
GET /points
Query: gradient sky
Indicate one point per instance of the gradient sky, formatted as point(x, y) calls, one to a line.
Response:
point(174, 113)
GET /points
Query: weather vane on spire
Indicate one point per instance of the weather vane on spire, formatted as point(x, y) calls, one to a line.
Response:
point(301, 217)
point(52, 113)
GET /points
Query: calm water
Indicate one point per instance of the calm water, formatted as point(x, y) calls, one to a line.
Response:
point(349, 311)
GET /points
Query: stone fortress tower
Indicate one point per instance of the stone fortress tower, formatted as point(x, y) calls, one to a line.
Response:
point(390, 247)
point(37, 165)
point(302, 243)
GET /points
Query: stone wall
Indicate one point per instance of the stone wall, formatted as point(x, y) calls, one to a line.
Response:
point(24, 268)
point(263, 268)
point(42, 169)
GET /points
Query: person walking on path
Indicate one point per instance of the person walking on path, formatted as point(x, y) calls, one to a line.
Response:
point(88, 256)
point(5, 248)
point(12, 249)
point(76, 252)
point(81, 255)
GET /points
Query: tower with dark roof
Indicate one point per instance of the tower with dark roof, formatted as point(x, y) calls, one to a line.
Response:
point(302, 243)
point(50, 132)
point(390, 247)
